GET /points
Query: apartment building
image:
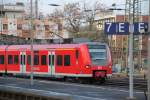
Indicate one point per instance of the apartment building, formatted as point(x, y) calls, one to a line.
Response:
point(13, 22)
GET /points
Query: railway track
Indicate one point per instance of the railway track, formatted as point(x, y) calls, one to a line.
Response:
point(139, 84)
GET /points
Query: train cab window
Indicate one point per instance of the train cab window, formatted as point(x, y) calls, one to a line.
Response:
point(10, 59)
point(59, 60)
point(66, 60)
point(15, 59)
point(43, 60)
point(36, 59)
point(29, 59)
point(1, 59)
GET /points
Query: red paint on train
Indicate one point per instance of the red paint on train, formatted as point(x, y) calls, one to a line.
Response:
point(65, 60)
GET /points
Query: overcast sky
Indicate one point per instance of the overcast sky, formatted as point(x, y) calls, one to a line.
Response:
point(43, 4)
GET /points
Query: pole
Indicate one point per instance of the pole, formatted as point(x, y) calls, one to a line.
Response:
point(1, 17)
point(148, 59)
point(130, 64)
point(31, 33)
point(36, 9)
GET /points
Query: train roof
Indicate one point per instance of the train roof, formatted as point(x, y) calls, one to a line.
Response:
point(38, 47)
point(46, 46)
point(2, 47)
point(95, 43)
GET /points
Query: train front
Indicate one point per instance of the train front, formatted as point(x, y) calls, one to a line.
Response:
point(101, 62)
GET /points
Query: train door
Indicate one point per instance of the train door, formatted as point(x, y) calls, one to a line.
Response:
point(51, 64)
point(22, 62)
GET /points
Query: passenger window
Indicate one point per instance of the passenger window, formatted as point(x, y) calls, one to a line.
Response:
point(21, 59)
point(51, 59)
point(43, 60)
point(1, 59)
point(36, 60)
point(10, 59)
point(15, 59)
point(67, 60)
point(59, 60)
point(77, 56)
point(24, 59)
point(29, 59)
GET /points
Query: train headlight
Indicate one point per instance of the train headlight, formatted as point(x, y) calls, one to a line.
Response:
point(87, 66)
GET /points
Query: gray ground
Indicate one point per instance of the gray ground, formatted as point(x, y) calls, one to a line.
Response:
point(77, 91)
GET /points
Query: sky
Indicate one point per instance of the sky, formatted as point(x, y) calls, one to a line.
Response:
point(45, 8)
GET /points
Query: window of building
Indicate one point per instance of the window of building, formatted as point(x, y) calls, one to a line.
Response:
point(59, 60)
point(10, 59)
point(19, 26)
point(5, 26)
point(1, 59)
point(67, 60)
point(15, 59)
point(36, 60)
point(43, 60)
point(29, 59)
point(46, 27)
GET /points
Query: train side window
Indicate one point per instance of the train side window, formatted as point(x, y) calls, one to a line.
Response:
point(16, 59)
point(43, 60)
point(1, 59)
point(59, 60)
point(10, 59)
point(36, 60)
point(66, 60)
point(77, 56)
point(51, 59)
point(29, 59)
point(24, 62)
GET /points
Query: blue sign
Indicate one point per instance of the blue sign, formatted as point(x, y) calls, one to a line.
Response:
point(119, 28)
point(123, 28)
point(140, 28)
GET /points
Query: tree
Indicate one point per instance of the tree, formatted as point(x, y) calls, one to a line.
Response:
point(73, 18)
point(90, 13)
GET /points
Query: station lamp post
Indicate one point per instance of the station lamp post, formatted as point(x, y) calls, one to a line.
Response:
point(130, 58)
point(148, 58)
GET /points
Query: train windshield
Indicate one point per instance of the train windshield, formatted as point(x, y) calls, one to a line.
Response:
point(98, 54)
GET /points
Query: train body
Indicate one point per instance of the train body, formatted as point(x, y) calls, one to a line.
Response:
point(86, 60)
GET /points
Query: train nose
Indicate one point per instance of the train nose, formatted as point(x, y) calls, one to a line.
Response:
point(99, 74)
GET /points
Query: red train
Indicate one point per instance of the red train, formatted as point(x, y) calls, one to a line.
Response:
point(87, 60)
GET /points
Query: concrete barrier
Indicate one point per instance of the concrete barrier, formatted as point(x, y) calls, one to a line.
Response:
point(19, 93)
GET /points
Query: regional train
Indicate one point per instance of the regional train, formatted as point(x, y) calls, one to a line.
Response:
point(83, 61)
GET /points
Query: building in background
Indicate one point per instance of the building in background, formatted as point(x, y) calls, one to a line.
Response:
point(43, 29)
point(12, 10)
point(14, 22)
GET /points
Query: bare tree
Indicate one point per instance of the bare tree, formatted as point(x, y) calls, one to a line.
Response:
point(91, 12)
point(73, 17)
